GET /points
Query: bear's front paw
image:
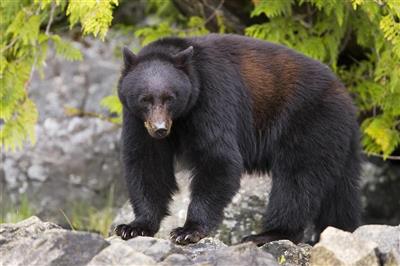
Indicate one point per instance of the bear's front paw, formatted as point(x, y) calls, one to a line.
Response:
point(187, 235)
point(128, 231)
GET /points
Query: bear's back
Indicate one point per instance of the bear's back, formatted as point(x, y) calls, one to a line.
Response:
point(275, 76)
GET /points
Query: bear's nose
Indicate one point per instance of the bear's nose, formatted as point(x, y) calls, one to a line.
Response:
point(161, 132)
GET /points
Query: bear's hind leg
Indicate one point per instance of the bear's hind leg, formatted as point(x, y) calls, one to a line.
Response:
point(341, 207)
point(293, 204)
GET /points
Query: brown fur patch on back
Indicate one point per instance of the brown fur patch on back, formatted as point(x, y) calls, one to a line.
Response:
point(269, 80)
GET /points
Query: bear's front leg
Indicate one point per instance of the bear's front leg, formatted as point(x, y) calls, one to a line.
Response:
point(149, 173)
point(151, 184)
point(216, 179)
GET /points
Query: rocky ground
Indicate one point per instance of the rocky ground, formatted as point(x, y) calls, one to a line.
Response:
point(34, 242)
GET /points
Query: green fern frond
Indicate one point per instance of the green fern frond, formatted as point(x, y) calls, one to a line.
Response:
point(66, 49)
point(112, 103)
point(381, 130)
point(95, 16)
point(20, 126)
point(273, 8)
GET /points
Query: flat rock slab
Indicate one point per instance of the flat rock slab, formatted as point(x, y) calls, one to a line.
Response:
point(26, 228)
point(386, 237)
point(56, 247)
point(156, 248)
point(243, 254)
point(340, 248)
point(120, 254)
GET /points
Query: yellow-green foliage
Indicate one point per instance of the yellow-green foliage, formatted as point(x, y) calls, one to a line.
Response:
point(25, 38)
point(14, 214)
point(114, 106)
point(94, 15)
point(321, 33)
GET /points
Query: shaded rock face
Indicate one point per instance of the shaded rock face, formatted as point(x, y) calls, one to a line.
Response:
point(33, 242)
point(380, 190)
point(75, 159)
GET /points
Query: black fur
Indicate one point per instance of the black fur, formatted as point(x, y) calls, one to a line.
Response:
point(310, 147)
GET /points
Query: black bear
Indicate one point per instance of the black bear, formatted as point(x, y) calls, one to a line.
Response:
point(228, 104)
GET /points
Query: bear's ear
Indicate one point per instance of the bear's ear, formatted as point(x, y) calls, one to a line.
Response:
point(183, 57)
point(129, 57)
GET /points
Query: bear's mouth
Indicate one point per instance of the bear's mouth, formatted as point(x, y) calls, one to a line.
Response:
point(157, 130)
point(158, 123)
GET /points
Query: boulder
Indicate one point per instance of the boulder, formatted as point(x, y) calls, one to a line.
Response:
point(52, 247)
point(176, 260)
point(119, 254)
point(26, 228)
point(287, 253)
point(337, 247)
point(386, 237)
point(243, 254)
point(158, 249)
point(204, 250)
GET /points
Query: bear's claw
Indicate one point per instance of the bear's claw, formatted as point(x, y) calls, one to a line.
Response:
point(184, 236)
point(128, 231)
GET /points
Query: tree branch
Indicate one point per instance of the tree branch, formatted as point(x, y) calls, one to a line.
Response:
point(53, 8)
point(214, 13)
point(395, 158)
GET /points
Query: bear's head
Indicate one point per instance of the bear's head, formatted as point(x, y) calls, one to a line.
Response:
point(157, 89)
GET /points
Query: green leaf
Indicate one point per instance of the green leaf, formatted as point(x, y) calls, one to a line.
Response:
point(20, 126)
point(66, 49)
point(381, 130)
point(272, 8)
point(95, 16)
point(112, 103)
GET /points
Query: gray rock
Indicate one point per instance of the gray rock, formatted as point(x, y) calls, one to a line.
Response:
point(338, 247)
point(204, 250)
point(176, 260)
point(287, 253)
point(386, 237)
point(37, 172)
point(243, 254)
point(52, 176)
point(26, 228)
point(158, 249)
point(120, 254)
point(53, 247)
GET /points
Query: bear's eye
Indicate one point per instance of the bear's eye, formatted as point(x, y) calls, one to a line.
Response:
point(168, 98)
point(146, 99)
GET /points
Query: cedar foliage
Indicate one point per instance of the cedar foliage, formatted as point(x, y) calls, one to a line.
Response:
point(25, 27)
point(322, 28)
